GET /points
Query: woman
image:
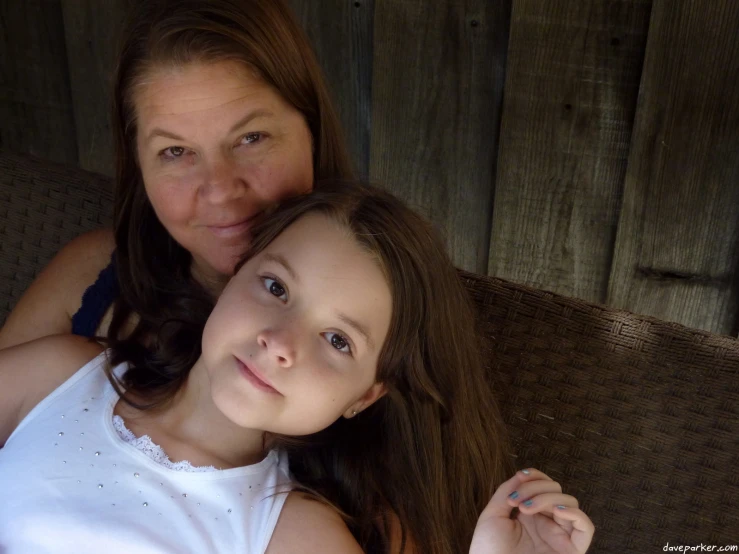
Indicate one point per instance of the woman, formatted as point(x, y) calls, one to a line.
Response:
point(220, 112)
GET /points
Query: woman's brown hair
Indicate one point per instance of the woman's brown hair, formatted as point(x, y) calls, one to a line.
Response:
point(430, 453)
point(153, 269)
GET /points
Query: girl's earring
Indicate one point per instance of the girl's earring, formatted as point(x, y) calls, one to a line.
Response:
point(354, 412)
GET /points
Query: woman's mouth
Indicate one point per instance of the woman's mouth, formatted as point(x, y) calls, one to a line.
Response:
point(232, 230)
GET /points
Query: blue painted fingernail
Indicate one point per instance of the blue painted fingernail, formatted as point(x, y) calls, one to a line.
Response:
point(561, 507)
point(525, 471)
point(513, 495)
point(528, 503)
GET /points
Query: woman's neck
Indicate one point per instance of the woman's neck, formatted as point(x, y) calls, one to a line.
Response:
point(209, 278)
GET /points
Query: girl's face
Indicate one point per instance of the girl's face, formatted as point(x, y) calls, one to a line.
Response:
point(308, 316)
point(217, 146)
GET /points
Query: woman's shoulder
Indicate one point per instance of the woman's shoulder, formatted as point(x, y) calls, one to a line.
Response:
point(29, 372)
point(87, 254)
point(44, 364)
point(80, 261)
point(47, 306)
point(309, 526)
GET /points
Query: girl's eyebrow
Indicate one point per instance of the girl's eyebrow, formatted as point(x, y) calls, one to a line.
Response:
point(359, 328)
point(159, 132)
point(354, 324)
point(280, 260)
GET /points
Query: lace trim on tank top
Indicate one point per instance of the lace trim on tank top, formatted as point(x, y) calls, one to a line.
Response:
point(154, 451)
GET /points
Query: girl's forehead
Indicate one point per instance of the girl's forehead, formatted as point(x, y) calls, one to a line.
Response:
point(313, 230)
point(318, 244)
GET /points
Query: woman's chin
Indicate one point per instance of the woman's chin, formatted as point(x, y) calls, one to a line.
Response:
point(215, 269)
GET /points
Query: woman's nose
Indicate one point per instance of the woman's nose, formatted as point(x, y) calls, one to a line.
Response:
point(223, 182)
point(280, 346)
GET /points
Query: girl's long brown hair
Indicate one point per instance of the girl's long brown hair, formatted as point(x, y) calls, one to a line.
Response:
point(153, 269)
point(431, 452)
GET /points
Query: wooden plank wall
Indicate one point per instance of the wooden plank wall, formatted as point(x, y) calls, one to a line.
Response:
point(571, 86)
point(91, 31)
point(437, 91)
point(588, 147)
point(341, 33)
point(677, 251)
point(35, 102)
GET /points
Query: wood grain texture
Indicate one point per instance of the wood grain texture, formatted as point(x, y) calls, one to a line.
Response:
point(437, 90)
point(341, 34)
point(35, 102)
point(677, 249)
point(572, 81)
point(92, 30)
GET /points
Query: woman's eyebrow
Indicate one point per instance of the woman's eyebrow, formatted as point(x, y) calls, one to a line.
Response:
point(249, 117)
point(159, 132)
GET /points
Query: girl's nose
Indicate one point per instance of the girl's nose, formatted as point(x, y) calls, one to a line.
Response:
point(280, 346)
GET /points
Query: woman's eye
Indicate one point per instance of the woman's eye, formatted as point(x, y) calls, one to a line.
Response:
point(275, 288)
point(251, 138)
point(339, 343)
point(173, 152)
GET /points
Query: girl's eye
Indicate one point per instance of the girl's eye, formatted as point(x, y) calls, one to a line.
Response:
point(172, 153)
point(339, 343)
point(251, 138)
point(275, 288)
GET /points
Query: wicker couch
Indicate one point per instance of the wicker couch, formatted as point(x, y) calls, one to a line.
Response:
point(635, 416)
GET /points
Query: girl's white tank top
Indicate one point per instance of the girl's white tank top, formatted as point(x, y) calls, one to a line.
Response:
point(70, 484)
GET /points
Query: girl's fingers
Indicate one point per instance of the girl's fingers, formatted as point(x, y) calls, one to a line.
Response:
point(534, 492)
point(533, 474)
point(499, 505)
point(582, 528)
point(546, 503)
point(531, 489)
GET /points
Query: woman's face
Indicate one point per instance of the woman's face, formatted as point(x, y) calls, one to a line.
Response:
point(309, 315)
point(217, 146)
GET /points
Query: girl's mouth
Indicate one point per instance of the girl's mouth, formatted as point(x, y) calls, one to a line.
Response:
point(255, 379)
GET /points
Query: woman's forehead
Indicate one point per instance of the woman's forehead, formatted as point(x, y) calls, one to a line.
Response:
point(204, 90)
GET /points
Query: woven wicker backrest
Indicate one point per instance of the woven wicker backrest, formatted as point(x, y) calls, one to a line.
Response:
point(42, 207)
point(635, 416)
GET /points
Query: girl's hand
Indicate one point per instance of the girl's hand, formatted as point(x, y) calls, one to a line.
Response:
point(548, 522)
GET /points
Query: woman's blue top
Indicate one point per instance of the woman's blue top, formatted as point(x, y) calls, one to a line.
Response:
point(97, 299)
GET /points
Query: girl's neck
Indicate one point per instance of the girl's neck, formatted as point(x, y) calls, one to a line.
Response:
point(190, 427)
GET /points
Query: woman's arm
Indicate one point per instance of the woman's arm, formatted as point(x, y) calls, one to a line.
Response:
point(48, 305)
point(307, 526)
point(310, 527)
point(29, 372)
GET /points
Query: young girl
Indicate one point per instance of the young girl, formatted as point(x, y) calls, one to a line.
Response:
point(345, 344)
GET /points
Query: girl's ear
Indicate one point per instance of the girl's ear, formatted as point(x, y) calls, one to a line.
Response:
point(373, 394)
